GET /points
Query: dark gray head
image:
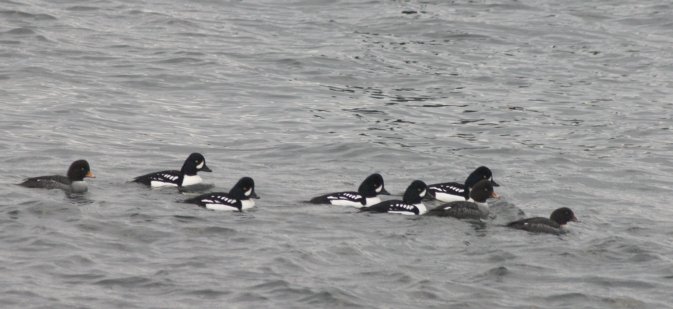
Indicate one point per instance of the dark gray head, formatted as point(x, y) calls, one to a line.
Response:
point(195, 163)
point(78, 170)
point(477, 175)
point(563, 215)
point(244, 189)
point(482, 191)
point(415, 192)
point(372, 186)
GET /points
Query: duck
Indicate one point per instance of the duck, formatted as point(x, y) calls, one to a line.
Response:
point(477, 209)
point(454, 191)
point(411, 203)
point(186, 176)
point(552, 225)
point(367, 194)
point(73, 182)
point(240, 197)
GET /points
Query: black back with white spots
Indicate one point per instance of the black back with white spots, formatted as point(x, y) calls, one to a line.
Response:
point(393, 206)
point(452, 188)
point(170, 176)
point(338, 196)
point(220, 198)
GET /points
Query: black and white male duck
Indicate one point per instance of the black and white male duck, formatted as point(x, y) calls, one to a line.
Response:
point(186, 176)
point(454, 191)
point(411, 203)
point(240, 197)
point(367, 194)
point(478, 209)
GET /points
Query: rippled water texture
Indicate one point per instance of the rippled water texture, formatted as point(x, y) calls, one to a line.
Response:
point(568, 102)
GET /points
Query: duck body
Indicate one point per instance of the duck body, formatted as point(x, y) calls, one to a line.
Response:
point(411, 203)
point(478, 209)
point(72, 183)
point(186, 176)
point(367, 194)
point(552, 225)
point(454, 191)
point(240, 197)
point(460, 210)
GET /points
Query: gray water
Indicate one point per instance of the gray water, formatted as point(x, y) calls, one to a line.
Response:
point(568, 102)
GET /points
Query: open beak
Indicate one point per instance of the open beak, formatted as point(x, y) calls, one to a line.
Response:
point(205, 168)
point(90, 175)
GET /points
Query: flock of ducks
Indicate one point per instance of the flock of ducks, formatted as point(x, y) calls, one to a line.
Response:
point(465, 200)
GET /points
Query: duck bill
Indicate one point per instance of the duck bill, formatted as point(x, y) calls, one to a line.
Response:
point(384, 192)
point(254, 195)
point(495, 184)
point(90, 174)
point(574, 219)
point(205, 168)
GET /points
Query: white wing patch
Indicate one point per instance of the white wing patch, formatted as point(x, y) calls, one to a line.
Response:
point(226, 200)
point(170, 177)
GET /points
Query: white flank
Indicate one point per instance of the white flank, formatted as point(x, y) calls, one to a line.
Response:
point(440, 196)
point(191, 180)
point(221, 207)
point(345, 203)
point(158, 184)
point(408, 213)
